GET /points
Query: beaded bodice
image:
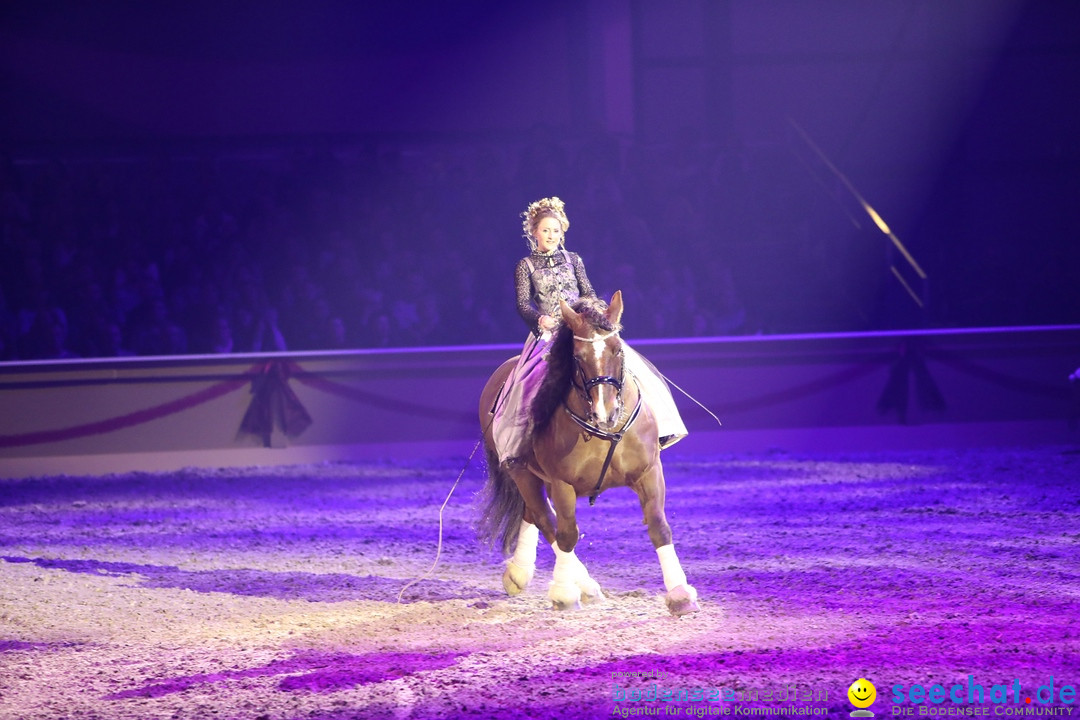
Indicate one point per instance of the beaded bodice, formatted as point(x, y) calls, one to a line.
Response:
point(559, 275)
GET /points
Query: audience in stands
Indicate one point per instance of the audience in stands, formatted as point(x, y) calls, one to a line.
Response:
point(388, 245)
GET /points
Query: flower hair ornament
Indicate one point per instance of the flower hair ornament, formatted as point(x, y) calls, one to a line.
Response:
point(537, 211)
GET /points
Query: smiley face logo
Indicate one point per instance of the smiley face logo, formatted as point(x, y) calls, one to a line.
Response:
point(862, 693)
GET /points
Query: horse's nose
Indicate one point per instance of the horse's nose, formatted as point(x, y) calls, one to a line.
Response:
point(606, 423)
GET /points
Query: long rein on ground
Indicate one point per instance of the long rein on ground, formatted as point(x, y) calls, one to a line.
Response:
point(612, 436)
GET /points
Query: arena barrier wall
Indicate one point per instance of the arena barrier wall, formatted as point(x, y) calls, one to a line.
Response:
point(861, 392)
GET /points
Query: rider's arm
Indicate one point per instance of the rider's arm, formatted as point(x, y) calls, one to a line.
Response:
point(585, 288)
point(523, 289)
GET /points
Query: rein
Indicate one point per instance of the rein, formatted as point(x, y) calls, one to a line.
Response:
point(605, 336)
point(612, 436)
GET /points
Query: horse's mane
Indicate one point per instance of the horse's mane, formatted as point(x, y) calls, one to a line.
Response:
point(560, 362)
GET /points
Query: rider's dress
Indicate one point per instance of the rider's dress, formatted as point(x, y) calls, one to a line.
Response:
point(541, 280)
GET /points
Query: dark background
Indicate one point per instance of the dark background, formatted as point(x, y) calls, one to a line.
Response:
point(352, 173)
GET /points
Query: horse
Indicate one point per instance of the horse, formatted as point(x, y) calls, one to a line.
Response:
point(590, 432)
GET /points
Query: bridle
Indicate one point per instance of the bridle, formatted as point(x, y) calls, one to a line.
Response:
point(587, 384)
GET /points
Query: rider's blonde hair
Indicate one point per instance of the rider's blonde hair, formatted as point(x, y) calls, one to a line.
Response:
point(537, 211)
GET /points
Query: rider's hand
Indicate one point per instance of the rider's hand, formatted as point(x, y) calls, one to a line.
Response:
point(546, 322)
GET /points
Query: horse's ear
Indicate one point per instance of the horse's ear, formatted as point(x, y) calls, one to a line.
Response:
point(614, 308)
point(570, 317)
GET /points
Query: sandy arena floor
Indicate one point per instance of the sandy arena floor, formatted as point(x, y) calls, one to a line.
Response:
point(262, 594)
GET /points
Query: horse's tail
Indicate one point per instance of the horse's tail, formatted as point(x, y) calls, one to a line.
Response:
point(503, 508)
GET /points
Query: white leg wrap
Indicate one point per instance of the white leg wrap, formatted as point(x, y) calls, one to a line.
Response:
point(567, 566)
point(522, 566)
point(570, 581)
point(525, 552)
point(669, 565)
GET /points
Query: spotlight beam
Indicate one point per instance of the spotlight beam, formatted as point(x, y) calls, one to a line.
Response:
point(911, 291)
point(878, 220)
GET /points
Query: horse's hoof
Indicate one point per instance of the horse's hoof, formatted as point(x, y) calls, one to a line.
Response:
point(590, 591)
point(516, 578)
point(564, 596)
point(682, 600)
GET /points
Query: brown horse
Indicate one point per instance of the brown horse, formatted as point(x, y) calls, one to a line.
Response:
point(590, 432)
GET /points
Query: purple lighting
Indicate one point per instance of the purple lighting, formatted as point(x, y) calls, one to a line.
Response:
point(311, 672)
point(257, 263)
point(276, 589)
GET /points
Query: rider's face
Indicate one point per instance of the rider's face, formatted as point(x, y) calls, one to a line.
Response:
point(548, 234)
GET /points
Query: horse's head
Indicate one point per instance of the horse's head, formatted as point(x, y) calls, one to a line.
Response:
point(598, 357)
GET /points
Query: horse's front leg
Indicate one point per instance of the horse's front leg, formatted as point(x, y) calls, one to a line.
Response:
point(570, 581)
point(681, 596)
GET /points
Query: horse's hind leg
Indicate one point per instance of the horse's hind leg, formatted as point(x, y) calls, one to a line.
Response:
point(521, 567)
point(571, 583)
point(538, 518)
point(681, 596)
